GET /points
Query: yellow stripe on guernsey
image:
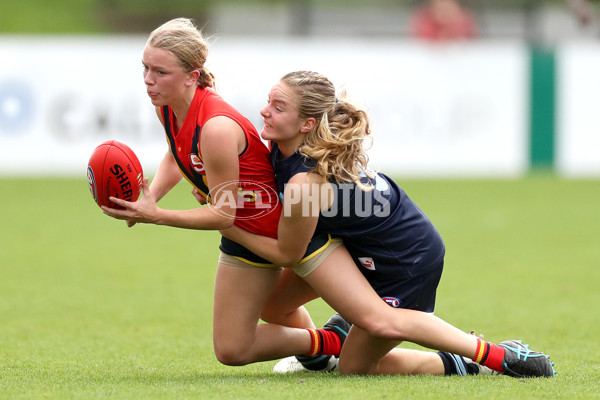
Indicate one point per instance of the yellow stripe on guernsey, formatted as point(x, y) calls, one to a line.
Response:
point(308, 257)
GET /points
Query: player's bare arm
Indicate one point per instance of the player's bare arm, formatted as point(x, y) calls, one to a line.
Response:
point(296, 226)
point(301, 209)
point(167, 176)
point(219, 146)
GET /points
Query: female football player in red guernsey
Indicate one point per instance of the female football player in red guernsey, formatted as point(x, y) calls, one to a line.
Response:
point(221, 154)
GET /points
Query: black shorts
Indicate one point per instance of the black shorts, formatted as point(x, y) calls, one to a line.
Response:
point(413, 293)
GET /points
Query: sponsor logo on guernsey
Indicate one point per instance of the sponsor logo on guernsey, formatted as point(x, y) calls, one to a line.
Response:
point(197, 163)
point(367, 262)
point(392, 301)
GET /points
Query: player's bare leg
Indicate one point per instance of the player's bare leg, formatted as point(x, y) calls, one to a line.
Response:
point(240, 296)
point(365, 309)
point(285, 304)
point(366, 354)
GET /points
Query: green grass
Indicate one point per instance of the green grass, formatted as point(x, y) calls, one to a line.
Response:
point(50, 16)
point(91, 310)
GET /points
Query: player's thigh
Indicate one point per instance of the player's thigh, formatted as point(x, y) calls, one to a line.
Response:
point(362, 353)
point(239, 297)
point(292, 291)
point(339, 282)
point(289, 294)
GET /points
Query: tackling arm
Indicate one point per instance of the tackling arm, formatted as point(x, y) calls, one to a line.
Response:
point(297, 225)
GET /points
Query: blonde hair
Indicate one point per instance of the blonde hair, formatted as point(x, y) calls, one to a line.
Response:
point(182, 38)
point(337, 141)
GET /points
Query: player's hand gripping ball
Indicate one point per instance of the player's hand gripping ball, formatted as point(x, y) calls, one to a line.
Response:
point(114, 170)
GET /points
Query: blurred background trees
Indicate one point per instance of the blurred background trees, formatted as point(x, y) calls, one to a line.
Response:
point(536, 20)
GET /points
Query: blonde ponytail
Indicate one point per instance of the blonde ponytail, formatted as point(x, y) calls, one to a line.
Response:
point(337, 142)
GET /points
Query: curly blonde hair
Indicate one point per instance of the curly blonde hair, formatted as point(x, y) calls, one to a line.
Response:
point(337, 141)
point(181, 37)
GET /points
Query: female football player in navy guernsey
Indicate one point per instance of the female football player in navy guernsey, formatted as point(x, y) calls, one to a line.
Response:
point(321, 171)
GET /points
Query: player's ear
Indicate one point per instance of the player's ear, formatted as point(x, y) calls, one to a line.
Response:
point(308, 125)
point(192, 77)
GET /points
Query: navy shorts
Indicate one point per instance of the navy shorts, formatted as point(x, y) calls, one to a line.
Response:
point(229, 247)
point(413, 293)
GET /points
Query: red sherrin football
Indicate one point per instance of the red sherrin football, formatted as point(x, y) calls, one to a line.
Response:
point(114, 170)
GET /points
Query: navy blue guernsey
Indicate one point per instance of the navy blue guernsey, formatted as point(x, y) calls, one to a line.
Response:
point(383, 229)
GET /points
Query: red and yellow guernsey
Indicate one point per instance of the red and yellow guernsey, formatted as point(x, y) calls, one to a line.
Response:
point(257, 202)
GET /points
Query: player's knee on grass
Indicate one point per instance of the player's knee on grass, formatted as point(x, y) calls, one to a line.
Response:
point(231, 353)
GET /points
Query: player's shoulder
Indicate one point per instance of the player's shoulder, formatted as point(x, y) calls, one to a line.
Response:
point(308, 184)
point(299, 178)
point(222, 128)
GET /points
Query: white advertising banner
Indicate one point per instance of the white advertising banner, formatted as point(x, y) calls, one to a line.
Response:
point(578, 94)
point(437, 111)
point(60, 97)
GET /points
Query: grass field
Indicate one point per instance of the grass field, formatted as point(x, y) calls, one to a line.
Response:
point(90, 309)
